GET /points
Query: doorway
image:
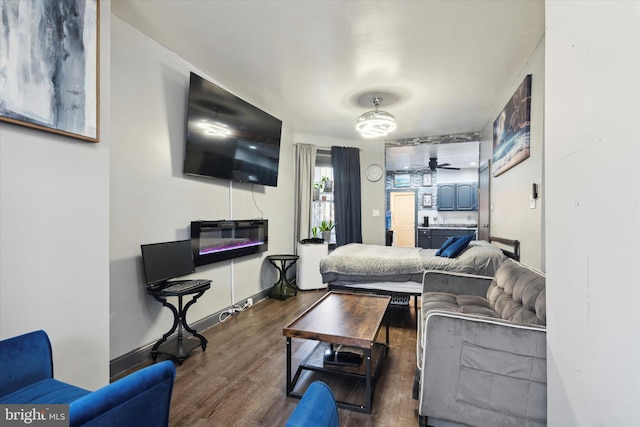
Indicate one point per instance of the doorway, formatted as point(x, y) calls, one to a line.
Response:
point(403, 214)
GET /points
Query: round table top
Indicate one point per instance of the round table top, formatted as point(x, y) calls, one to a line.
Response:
point(283, 257)
point(162, 292)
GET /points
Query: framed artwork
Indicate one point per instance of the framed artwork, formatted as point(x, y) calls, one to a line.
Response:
point(49, 66)
point(426, 179)
point(512, 129)
point(426, 200)
point(402, 180)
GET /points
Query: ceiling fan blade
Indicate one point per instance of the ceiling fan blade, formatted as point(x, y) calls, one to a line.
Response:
point(449, 167)
point(441, 165)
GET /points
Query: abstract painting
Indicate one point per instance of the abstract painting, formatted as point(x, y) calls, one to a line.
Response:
point(511, 130)
point(49, 66)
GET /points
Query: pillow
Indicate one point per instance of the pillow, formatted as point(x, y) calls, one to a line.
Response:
point(446, 244)
point(454, 249)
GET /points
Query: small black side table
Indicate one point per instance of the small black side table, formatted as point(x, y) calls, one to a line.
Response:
point(283, 289)
point(179, 348)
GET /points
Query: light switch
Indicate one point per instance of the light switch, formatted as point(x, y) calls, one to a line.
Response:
point(376, 212)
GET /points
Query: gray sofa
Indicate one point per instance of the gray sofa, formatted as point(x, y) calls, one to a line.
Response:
point(481, 349)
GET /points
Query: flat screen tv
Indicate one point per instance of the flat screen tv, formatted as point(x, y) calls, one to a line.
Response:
point(229, 138)
point(167, 260)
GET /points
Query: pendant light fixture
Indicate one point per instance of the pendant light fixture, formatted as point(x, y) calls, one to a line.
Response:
point(376, 123)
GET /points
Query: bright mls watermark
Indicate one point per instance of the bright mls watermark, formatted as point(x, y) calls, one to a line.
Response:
point(34, 415)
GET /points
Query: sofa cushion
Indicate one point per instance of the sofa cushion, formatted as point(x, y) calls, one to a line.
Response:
point(45, 391)
point(470, 304)
point(514, 294)
point(541, 305)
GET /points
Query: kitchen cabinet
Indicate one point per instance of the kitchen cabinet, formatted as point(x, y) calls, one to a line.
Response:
point(466, 195)
point(458, 197)
point(439, 236)
point(424, 238)
point(447, 197)
point(433, 238)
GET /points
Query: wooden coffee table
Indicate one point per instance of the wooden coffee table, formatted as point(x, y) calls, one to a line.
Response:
point(346, 319)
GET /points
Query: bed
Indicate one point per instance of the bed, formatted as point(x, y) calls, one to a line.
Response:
point(398, 271)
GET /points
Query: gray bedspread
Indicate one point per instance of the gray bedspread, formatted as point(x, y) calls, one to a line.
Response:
point(356, 262)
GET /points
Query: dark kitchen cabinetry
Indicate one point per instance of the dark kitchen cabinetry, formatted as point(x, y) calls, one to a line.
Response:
point(447, 197)
point(466, 195)
point(433, 238)
point(457, 197)
point(424, 238)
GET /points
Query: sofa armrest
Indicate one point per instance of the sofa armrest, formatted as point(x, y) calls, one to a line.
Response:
point(455, 283)
point(317, 408)
point(482, 371)
point(24, 359)
point(142, 398)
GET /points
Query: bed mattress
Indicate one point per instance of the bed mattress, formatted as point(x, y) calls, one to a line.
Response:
point(361, 263)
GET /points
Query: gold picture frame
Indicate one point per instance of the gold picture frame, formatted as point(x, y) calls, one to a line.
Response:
point(58, 44)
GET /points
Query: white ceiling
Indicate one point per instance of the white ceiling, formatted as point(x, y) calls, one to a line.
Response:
point(461, 155)
point(438, 65)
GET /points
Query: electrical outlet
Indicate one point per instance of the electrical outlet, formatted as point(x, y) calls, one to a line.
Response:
point(249, 302)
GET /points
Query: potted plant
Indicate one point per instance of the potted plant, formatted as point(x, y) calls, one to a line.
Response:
point(326, 227)
point(314, 236)
point(317, 187)
point(327, 184)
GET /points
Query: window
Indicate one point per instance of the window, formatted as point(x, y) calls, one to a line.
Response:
point(322, 208)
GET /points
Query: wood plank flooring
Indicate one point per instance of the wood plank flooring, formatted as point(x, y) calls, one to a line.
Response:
point(240, 379)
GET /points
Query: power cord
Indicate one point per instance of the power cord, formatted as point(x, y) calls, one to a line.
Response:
point(256, 203)
point(235, 308)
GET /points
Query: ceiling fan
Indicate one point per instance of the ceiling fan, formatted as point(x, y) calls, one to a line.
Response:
point(433, 165)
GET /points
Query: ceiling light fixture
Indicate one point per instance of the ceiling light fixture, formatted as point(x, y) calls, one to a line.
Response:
point(376, 123)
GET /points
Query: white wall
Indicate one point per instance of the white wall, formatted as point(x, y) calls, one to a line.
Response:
point(592, 106)
point(373, 193)
point(511, 216)
point(152, 201)
point(54, 238)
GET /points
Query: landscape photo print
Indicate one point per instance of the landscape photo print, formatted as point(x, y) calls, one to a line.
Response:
point(512, 130)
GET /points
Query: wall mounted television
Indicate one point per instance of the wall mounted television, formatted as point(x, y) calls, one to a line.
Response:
point(229, 138)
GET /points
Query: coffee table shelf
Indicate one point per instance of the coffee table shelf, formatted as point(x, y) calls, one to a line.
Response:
point(342, 319)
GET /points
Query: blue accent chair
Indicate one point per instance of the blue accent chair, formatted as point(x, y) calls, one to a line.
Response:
point(317, 408)
point(140, 399)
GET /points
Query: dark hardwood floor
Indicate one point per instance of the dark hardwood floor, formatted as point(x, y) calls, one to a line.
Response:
point(240, 379)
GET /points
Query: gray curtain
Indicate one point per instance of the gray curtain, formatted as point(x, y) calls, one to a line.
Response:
point(305, 158)
point(347, 194)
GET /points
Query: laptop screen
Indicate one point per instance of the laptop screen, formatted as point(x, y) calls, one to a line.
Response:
point(164, 261)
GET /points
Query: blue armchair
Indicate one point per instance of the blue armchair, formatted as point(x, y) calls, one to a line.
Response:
point(141, 399)
point(317, 408)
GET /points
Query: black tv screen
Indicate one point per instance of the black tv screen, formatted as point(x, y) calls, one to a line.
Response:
point(166, 260)
point(229, 138)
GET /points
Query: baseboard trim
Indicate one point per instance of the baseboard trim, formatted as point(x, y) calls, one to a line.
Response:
point(129, 360)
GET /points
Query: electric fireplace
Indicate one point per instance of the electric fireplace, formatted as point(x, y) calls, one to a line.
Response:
point(214, 241)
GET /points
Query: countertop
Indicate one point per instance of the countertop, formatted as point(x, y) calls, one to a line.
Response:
point(450, 227)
